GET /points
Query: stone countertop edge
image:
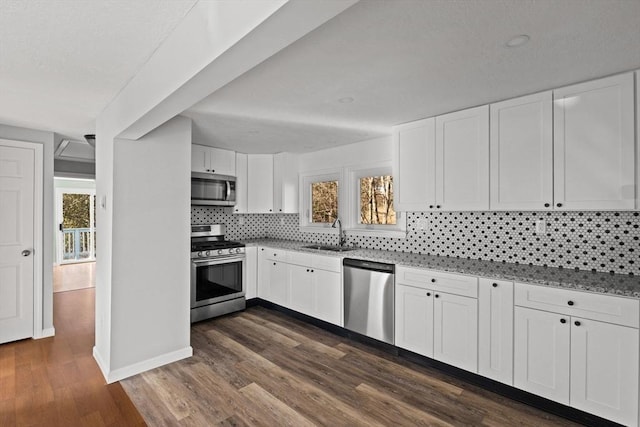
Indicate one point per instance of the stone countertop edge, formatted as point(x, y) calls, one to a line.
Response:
point(581, 280)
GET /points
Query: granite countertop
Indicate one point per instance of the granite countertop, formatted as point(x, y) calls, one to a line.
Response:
point(615, 284)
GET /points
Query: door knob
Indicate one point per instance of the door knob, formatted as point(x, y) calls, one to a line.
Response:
point(26, 252)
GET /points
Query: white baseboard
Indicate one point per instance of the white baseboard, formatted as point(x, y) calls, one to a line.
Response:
point(145, 365)
point(45, 333)
point(49, 332)
point(103, 366)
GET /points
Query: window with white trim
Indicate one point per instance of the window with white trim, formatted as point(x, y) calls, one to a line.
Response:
point(320, 195)
point(371, 202)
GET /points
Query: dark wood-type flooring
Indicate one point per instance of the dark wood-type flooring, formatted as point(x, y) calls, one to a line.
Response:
point(261, 367)
point(55, 381)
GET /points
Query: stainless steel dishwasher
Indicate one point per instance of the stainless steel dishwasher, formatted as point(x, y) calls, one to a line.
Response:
point(368, 298)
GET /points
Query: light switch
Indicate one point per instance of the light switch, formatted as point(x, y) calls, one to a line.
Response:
point(541, 226)
point(240, 220)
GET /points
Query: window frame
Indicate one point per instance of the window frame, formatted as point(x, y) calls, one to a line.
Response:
point(354, 174)
point(305, 181)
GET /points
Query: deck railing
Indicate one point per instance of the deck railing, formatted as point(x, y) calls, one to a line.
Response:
point(78, 244)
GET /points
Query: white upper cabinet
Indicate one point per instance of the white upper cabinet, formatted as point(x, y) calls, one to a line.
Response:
point(594, 155)
point(638, 137)
point(241, 184)
point(285, 183)
point(462, 166)
point(213, 160)
point(521, 153)
point(260, 183)
point(267, 183)
point(414, 163)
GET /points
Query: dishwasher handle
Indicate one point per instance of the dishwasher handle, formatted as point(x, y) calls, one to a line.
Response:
point(369, 265)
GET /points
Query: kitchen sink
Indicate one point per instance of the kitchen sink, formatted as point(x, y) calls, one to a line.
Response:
point(329, 248)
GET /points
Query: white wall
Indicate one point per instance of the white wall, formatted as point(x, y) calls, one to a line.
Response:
point(365, 152)
point(47, 141)
point(151, 245)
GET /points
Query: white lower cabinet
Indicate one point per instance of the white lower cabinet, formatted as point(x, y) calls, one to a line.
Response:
point(437, 324)
point(495, 330)
point(316, 293)
point(604, 370)
point(541, 356)
point(293, 280)
point(414, 319)
point(278, 273)
point(455, 330)
point(328, 296)
point(568, 356)
point(251, 272)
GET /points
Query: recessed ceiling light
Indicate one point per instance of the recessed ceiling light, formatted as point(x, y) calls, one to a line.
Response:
point(518, 41)
point(346, 100)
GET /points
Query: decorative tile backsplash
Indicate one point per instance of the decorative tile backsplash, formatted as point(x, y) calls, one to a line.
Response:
point(601, 241)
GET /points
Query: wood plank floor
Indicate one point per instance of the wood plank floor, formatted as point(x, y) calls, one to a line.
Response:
point(55, 381)
point(263, 368)
point(69, 277)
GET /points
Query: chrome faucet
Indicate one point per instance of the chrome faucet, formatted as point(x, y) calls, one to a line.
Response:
point(342, 237)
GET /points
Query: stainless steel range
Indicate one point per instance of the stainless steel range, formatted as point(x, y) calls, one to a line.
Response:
point(217, 273)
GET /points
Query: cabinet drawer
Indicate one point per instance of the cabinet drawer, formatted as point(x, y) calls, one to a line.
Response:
point(300, 258)
point(329, 263)
point(617, 310)
point(445, 282)
point(276, 254)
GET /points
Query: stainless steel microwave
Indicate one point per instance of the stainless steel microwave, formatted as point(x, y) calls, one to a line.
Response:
point(213, 190)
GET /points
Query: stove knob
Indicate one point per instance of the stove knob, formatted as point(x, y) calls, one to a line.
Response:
point(199, 253)
point(238, 250)
point(207, 253)
point(230, 251)
point(219, 251)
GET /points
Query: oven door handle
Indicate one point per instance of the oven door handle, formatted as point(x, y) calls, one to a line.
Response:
point(219, 260)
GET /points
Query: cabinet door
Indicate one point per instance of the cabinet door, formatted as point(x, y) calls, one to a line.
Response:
point(251, 272)
point(521, 151)
point(285, 183)
point(541, 353)
point(327, 287)
point(279, 283)
point(199, 158)
point(604, 370)
point(414, 319)
point(455, 330)
point(223, 162)
point(462, 160)
point(414, 166)
point(260, 183)
point(495, 330)
point(264, 274)
point(301, 289)
point(594, 145)
point(241, 184)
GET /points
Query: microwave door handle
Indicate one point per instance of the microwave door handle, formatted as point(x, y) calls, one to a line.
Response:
point(228, 190)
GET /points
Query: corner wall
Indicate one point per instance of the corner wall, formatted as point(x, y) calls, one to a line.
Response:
point(150, 243)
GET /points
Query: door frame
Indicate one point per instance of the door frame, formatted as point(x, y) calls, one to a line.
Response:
point(59, 219)
point(38, 234)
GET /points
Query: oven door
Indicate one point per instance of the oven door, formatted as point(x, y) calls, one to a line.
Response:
point(217, 280)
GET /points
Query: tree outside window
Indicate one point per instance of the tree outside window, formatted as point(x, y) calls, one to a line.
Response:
point(324, 201)
point(376, 200)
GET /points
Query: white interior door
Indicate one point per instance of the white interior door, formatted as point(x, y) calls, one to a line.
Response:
point(18, 205)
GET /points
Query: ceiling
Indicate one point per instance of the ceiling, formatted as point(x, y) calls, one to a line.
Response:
point(63, 61)
point(404, 60)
